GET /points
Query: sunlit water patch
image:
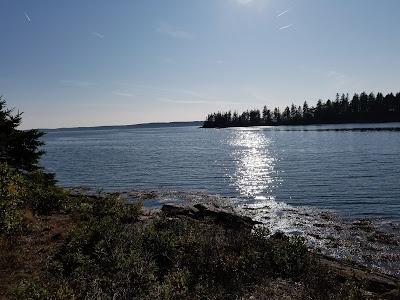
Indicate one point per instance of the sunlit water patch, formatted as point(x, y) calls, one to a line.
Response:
point(254, 173)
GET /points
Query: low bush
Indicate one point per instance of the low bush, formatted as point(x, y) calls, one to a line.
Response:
point(114, 253)
point(43, 196)
point(13, 189)
point(20, 192)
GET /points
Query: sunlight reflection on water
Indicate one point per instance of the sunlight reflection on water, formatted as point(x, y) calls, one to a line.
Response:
point(255, 174)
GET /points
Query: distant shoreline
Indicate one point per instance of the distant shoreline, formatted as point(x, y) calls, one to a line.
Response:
point(141, 125)
point(200, 124)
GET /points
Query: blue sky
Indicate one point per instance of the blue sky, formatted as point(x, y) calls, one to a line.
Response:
point(84, 63)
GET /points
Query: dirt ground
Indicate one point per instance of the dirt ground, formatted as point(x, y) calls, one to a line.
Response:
point(27, 256)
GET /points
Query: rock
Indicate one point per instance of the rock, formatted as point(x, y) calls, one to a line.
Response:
point(279, 235)
point(226, 218)
point(364, 225)
point(174, 210)
point(384, 238)
point(337, 228)
point(319, 225)
point(200, 212)
point(374, 282)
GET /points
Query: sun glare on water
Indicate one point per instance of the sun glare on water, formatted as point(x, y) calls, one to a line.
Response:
point(255, 165)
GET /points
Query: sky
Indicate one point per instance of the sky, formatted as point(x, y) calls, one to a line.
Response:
point(89, 63)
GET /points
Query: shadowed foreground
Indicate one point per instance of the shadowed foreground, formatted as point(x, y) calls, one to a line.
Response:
point(103, 248)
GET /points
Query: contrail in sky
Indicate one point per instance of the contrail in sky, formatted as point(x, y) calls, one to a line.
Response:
point(27, 17)
point(287, 26)
point(99, 35)
point(282, 13)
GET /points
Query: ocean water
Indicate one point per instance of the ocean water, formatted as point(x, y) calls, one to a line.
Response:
point(352, 169)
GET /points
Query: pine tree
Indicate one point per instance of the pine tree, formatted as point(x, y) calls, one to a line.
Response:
point(277, 115)
point(18, 148)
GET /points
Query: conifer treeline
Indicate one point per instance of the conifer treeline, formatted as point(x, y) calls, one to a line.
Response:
point(361, 108)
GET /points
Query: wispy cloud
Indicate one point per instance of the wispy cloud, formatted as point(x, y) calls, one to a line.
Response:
point(98, 35)
point(158, 89)
point(256, 5)
point(282, 13)
point(285, 27)
point(200, 101)
point(180, 96)
point(244, 2)
point(338, 78)
point(178, 101)
point(122, 94)
point(173, 31)
point(27, 17)
point(77, 83)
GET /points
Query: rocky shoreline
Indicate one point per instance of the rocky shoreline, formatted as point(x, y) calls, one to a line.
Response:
point(175, 245)
point(374, 282)
point(362, 241)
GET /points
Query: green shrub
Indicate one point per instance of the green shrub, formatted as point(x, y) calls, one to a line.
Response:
point(43, 196)
point(18, 191)
point(223, 262)
point(103, 256)
point(34, 289)
point(113, 253)
point(31, 291)
point(12, 192)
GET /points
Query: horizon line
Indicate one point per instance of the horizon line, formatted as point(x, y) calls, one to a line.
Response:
point(120, 125)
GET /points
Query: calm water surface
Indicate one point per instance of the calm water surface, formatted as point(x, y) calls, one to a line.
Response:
point(355, 172)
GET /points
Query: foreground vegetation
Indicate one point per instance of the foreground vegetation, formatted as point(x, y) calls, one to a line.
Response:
point(361, 108)
point(107, 249)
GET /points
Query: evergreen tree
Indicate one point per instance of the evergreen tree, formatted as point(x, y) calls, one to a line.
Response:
point(255, 117)
point(266, 115)
point(18, 148)
point(286, 115)
point(293, 111)
point(277, 115)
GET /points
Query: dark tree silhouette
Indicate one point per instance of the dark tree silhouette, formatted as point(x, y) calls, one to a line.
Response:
point(277, 116)
point(362, 108)
point(267, 116)
point(18, 148)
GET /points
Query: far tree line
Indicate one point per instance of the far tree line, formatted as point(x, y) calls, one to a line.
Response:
point(362, 108)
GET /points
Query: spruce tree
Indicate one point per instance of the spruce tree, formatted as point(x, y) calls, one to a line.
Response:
point(18, 148)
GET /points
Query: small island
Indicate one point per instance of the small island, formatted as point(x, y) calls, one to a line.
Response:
point(362, 108)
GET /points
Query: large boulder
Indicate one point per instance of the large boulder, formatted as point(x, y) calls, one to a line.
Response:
point(202, 212)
